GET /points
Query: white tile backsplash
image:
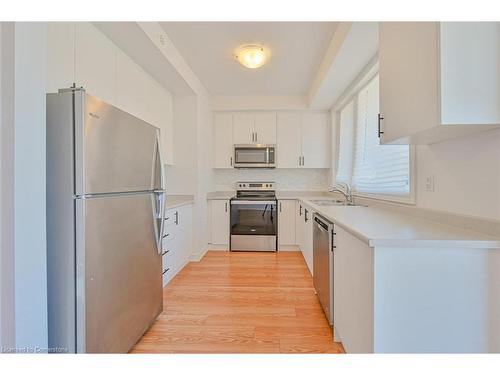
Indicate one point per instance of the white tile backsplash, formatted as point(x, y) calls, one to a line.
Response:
point(286, 179)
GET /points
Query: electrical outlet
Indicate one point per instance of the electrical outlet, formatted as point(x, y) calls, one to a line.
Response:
point(429, 183)
point(163, 39)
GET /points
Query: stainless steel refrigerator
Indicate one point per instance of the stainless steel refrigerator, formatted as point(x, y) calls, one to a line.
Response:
point(105, 201)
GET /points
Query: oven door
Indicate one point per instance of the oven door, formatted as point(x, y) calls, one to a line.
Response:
point(253, 225)
point(251, 156)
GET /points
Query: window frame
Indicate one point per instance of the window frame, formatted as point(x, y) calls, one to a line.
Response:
point(351, 94)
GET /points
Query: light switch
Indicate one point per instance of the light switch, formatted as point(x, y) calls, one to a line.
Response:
point(429, 184)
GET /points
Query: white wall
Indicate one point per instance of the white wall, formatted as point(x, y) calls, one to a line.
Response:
point(204, 134)
point(205, 173)
point(286, 179)
point(7, 298)
point(23, 233)
point(466, 175)
point(30, 231)
point(181, 177)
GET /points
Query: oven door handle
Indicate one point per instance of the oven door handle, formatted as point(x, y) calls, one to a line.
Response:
point(243, 203)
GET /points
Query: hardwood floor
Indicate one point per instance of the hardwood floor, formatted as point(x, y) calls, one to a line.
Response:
point(241, 303)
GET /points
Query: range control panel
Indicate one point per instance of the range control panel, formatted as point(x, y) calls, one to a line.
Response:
point(255, 185)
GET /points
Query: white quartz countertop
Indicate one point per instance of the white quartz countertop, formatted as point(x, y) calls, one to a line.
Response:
point(215, 195)
point(174, 201)
point(383, 227)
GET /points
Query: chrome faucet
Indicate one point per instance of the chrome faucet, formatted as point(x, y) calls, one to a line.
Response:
point(349, 200)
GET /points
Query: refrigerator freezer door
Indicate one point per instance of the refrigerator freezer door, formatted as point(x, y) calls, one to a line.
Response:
point(115, 151)
point(119, 271)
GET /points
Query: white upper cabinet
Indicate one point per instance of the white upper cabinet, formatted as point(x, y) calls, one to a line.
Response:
point(253, 128)
point(243, 128)
point(303, 140)
point(79, 53)
point(289, 140)
point(265, 128)
point(223, 136)
point(315, 140)
point(95, 62)
point(470, 72)
point(60, 55)
point(437, 80)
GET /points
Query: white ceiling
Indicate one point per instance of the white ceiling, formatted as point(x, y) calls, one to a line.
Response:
point(297, 49)
point(132, 40)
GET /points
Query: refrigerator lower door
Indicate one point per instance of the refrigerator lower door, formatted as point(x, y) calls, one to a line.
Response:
point(119, 271)
point(115, 151)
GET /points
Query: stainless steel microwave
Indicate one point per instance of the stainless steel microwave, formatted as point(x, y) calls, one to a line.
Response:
point(254, 156)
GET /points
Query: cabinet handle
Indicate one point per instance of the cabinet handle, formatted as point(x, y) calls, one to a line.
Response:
point(380, 118)
point(256, 137)
point(231, 162)
point(305, 215)
point(333, 240)
point(303, 160)
point(280, 206)
point(176, 217)
point(300, 210)
point(225, 206)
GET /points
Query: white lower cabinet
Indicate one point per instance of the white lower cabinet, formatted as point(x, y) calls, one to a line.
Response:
point(353, 294)
point(219, 222)
point(286, 222)
point(304, 233)
point(177, 240)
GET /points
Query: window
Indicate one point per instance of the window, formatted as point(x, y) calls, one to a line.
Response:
point(370, 168)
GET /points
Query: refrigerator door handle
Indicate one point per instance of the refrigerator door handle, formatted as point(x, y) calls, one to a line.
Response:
point(158, 218)
point(158, 172)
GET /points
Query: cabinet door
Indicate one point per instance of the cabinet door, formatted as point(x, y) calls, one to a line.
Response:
point(184, 222)
point(265, 128)
point(243, 128)
point(299, 228)
point(160, 114)
point(470, 72)
point(315, 140)
point(286, 222)
point(308, 239)
point(220, 222)
point(288, 146)
point(408, 56)
point(223, 140)
point(60, 55)
point(353, 292)
point(95, 62)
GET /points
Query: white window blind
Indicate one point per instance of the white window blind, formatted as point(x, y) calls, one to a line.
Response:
point(368, 166)
point(346, 156)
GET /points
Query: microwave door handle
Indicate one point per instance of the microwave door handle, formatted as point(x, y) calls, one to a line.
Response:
point(267, 155)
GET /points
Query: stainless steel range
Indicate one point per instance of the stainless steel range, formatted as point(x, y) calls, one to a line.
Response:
point(254, 219)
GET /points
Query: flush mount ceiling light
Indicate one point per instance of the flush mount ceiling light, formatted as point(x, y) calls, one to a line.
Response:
point(251, 55)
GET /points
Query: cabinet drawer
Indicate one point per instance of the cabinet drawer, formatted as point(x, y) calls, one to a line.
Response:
point(167, 259)
point(168, 219)
point(166, 275)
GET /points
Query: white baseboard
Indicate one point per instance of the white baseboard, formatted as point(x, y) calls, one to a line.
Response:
point(196, 257)
point(216, 247)
point(288, 248)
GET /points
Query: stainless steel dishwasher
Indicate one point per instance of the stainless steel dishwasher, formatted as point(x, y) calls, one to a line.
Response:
point(323, 263)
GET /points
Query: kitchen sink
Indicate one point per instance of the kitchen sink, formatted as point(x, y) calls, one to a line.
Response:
point(328, 202)
point(331, 202)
